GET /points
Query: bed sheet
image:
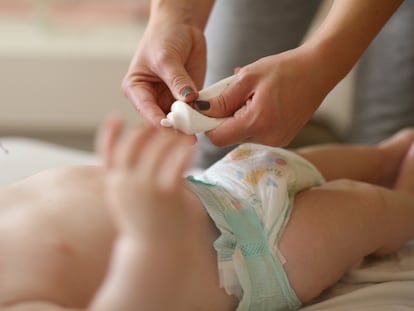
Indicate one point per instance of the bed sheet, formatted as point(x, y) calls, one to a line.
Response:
point(21, 157)
point(380, 284)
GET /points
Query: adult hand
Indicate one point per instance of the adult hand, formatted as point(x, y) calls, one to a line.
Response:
point(169, 64)
point(273, 98)
point(269, 100)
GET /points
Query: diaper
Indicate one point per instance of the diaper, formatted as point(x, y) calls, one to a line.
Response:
point(249, 196)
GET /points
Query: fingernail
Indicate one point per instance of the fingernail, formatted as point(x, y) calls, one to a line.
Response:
point(187, 91)
point(202, 105)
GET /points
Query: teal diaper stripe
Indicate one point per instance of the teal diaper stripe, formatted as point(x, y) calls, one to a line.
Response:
point(262, 278)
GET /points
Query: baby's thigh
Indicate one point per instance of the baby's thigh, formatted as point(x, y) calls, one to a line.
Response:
point(331, 229)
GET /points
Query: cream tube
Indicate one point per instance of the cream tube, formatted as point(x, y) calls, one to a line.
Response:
point(188, 120)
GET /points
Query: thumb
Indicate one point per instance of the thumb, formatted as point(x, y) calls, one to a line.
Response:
point(179, 82)
point(227, 103)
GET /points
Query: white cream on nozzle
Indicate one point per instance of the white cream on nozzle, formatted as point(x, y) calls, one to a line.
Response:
point(188, 120)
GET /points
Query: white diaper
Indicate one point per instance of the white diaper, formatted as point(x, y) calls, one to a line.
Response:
point(249, 195)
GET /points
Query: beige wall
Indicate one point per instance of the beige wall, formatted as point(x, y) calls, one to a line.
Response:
point(62, 81)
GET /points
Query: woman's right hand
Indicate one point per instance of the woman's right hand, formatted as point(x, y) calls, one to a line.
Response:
point(169, 64)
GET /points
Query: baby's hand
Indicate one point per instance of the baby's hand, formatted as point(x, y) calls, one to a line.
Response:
point(145, 186)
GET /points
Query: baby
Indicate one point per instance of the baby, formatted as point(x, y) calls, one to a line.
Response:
point(262, 229)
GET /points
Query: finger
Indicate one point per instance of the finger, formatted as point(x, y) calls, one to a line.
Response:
point(142, 98)
point(258, 121)
point(228, 133)
point(132, 147)
point(236, 129)
point(404, 180)
point(196, 64)
point(107, 137)
point(178, 81)
point(190, 139)
point(156, 153)
point(237, 69)
point(179, 160)
point(230, 100)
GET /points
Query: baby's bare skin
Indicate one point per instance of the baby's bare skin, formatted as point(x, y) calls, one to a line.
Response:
point(56, 237)
point(57, 231)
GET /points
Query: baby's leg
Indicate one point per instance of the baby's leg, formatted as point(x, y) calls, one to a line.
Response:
point(405, 180)
point(163, 258)
point(334, 226)
point(377, 164)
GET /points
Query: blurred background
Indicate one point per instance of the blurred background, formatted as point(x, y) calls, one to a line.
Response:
point(61, 65)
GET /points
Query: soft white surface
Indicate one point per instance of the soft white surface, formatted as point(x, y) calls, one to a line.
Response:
point(383, 284)
point(377, 285)
point(26, 157)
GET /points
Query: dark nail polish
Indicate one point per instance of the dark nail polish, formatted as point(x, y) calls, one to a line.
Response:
point(202, 105)
point(186, 91)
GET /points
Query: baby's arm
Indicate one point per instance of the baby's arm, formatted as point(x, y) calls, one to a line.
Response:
point(163, 258)
point(141, 187)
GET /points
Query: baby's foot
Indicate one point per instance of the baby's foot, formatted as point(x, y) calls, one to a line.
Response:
point(395, 149)
point(405, 178)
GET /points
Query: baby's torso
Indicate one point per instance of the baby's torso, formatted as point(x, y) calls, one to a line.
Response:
point(55, 237)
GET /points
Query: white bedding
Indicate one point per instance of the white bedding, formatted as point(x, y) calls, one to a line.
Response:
point(25, 157)
point(382, 284)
